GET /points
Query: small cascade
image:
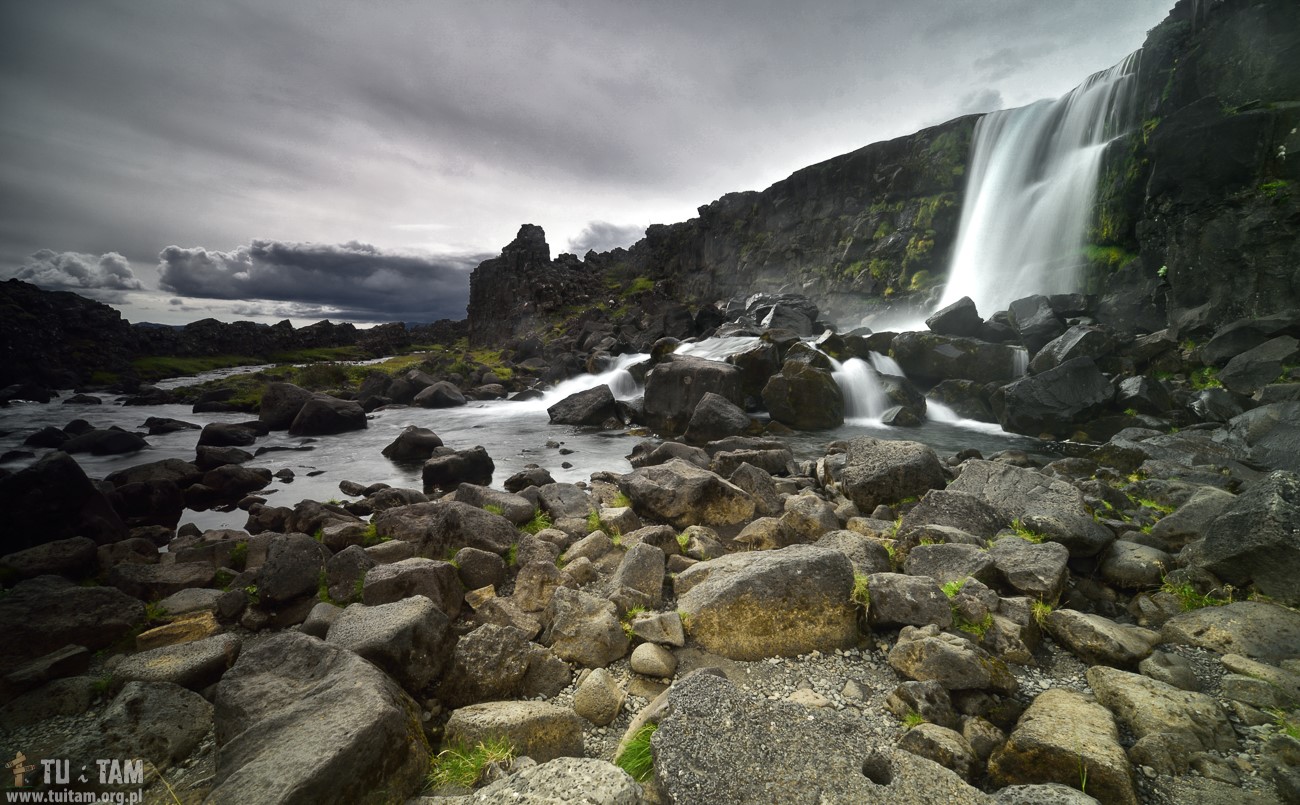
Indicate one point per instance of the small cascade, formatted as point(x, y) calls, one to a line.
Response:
point(864, 396)
point(885, 364)
point(717, 349)
point(617, 377)
point(1020, 358)
point(1033, 179)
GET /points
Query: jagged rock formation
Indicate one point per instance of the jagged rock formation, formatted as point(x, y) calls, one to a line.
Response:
point(1198, 208)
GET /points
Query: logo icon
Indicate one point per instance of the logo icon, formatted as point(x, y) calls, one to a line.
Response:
point(20, 767)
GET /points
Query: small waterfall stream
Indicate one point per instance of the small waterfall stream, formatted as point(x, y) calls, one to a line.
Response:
point(1033, 179)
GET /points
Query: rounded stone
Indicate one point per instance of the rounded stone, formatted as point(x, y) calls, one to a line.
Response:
point(653, 660)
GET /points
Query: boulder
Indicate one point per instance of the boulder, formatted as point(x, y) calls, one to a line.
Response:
point(439, 395)
point(323, 415)
point(1255, 368)
point(488, 664)
point(749, 606)
point(301, 721)
point(1256, 539)
point(1272, 432)
point(1037, 570)
point(1170, 724)
point(926, 654)
point(158, 721)
point(675, 386)
point(960, 319)
point(73, 558)
point(1065, 737)
point(583, 628)
point(451, 469)
point(878, 471)
point(950, 562)
point(293, 568)
point(281, 403)
point(54, 500)
point(930, 358)
point(715, 417)
point(1034, 321)
point(1143, 394)
point(1054, 401)
point(194, 665)
point(151, 582)
point(955, 509)
point(942, 745)
point(901, 600)
point(104, 442)
point(681, 494)
point(433, 579)
point(1100, 641)
point(804, 397)
point(47, 613)
point(599, 697)
point(1079, 341)
point(230, 434)
point(565, 779)
point(592, 407)
point(540, 730)
point(413, 444)
point(1251, 628)
point(1017, 493)
point(719, 744)
point(410, 640)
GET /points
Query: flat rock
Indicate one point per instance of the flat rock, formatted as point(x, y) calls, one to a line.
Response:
point(1251, 628)
point(192, 665)
point(1098, 640)
point(409, 639)
point(47, 613)
point(562, 781)
point(540, 730)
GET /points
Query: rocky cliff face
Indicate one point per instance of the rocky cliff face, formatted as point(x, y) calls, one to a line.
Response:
point(1205, 193)
point(1198, 209)
point(59, 339)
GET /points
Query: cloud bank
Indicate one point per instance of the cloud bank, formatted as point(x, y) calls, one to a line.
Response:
point(79, 272)
point(602, 236)
point(352, 280)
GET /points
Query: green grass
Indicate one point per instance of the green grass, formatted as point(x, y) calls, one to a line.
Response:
point(593, 522)
point(953, 587)
point(1189, 599)
point(461, 765)
point(493, 508)
point(976, 628)
point(861, 594)
point(683, 541)
point(628, 617)
point(1284, 723)
point(1026, 533)
point(239, 555)
point(1207, 377)
point(621, 501)
point(1040, 609)
point(540, 522)
point(913, 719)
point(154, 612)
point(512, 554)
point(371, 537)
point(637, 759)
point(1156, 505)
point(251, 592)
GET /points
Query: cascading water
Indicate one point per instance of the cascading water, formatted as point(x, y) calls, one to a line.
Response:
point(864, 396)
point(1033, 178)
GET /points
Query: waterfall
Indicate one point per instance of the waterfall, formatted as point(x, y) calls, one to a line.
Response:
point(864, 396)
point(1033, 178)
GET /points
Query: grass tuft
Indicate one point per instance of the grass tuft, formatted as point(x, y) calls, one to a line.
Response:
point(540, 522)
point(861, 595)
point(463, 766)
point(637, 759)
point(913, 719)
point(1040, 609)
point(953, 587)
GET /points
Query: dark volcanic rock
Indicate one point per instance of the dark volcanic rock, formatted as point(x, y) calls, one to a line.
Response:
point(53, 499)
point(1256, 540)
point(48, 613)
point(675, 386)
point(1054, 401)
point(960, 319)
point(594, 407)
point(804, 397)
point(927, 357)
point(413, 444)
point(281, 403)
point(322, 415)
point(1035, 322)
point(451, 469)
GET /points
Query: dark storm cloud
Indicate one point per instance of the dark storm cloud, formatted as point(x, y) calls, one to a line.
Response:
point(79, 272)
point(350, 280)
point(602, 236)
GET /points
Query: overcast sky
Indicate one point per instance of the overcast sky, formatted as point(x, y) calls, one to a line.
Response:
point(275, 158)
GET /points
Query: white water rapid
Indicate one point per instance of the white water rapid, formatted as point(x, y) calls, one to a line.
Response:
point(1033, 178)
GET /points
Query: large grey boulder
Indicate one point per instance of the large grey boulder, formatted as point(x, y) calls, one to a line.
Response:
point(1055, 401)
point(926, 654)
point(583, 628)
point(955, 509)
point(441, 394)
point(1079, 341)
point(413, 444)
point(681, 494)
point(563, 780)
point(46, 613)
point(158, 721)
point(488, 664)
point(281, 403)
point(439, 526)
point(1098, 640)
point(409, 639)
point(1170, 724)
point(323, 415)
point(715, 417)
point(722, 745)
point(878, 471)
point(433, 579)
point(804, 397)
point(748, 606)
point(1034, 321)
point(301, 721)
point(54, 500)
point(1256, 539)
point(675, 386)
point(1016, 492)
point(930, 358)
point(594, 407)
point(961, 319)
point(1063, 736)
point(449, 468)
point(901, 600)
point(1038, 570)
point(194, 665)
point(293, 566)
point(1255, 368)
point(540, 730)
point(1251, 628)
